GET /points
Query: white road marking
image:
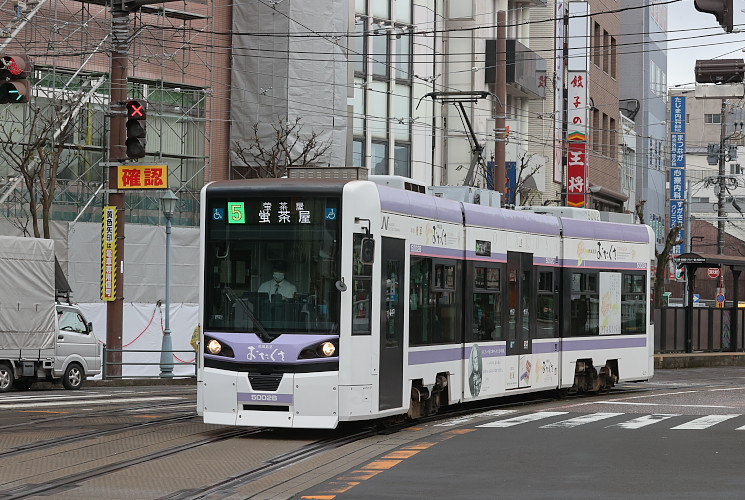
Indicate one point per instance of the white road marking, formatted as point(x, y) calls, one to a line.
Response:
point(644, 421)
point(521, 419)
point(581, 420)
point(45, 404)
point(467, 418)
point(661, 404)
point(705, 422)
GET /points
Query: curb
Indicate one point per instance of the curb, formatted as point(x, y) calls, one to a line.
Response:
point(698, 360)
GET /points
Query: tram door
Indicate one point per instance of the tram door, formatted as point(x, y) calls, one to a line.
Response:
point(391, 324)
point(520, 319)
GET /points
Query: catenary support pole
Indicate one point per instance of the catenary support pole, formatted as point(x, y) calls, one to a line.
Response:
point(119, 70)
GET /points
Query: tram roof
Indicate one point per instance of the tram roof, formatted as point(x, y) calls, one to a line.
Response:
point(421, 205)
point(605, 230)
point(477, 215)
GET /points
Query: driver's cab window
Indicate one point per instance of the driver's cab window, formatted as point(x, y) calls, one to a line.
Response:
point(70, 321)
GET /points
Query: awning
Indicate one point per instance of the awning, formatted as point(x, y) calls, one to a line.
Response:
point(692, 259)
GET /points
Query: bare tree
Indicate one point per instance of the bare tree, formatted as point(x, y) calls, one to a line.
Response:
point(260, 157)
point(35, 150)
point(663, 256)
point(526, 194)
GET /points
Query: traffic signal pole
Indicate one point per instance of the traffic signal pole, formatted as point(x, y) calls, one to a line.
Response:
point(117, 137)
point(721, 196)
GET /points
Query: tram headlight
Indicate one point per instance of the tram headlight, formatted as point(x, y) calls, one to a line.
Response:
point(327, 349)
point(214, 346)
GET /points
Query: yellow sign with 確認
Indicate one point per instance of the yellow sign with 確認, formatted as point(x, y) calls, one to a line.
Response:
point(142, 177)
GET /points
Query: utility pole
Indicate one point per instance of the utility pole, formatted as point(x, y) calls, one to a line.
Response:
point(119, 73)
point(721, 182)
point(500, 121)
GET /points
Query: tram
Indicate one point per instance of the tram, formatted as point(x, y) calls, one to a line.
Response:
point(402, 302)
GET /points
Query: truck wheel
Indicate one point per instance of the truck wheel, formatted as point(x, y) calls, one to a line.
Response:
point(74, 376)
point(6, 377)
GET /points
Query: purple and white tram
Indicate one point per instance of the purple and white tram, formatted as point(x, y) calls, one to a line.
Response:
point(404, 302)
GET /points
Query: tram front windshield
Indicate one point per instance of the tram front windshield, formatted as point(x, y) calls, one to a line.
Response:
point(271, 265)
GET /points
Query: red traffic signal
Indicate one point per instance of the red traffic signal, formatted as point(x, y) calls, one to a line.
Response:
point(14, 88)
point(722, 10)
point(135, 110)
point(136, 129)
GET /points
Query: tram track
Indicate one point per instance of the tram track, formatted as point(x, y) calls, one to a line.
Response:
point(85, 436)
point(48, 488)
point(161, 406)
point(227, 486)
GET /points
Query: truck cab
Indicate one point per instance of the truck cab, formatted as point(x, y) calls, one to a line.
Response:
point(77, 350)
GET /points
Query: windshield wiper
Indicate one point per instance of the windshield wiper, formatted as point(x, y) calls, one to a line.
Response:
point(261, 331)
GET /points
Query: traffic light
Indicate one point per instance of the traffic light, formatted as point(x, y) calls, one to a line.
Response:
point(136, 129)
point(720, 70)
point(14, 88)
point(722, 10)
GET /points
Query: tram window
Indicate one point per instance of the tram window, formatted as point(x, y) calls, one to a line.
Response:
point(444, 276)
point(633, 303)
point(584, 304)
point(432, 302)
point(486, 321)
point(546, 307)
point(361, 291)
point(486, 278)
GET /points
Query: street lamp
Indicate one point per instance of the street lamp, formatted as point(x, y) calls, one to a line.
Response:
point(168, 205)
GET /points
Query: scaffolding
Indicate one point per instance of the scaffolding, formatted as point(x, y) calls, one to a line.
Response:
point(172, 65)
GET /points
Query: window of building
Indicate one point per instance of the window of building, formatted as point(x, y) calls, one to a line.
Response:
point(379, 54)
point(379, 155)
point(596, 44)
point(613, 56)
point(403, 53)
point(358, 153)
point(358, 105)
point(357, 46)
point(606, 136)
point(403, 11)
point(606, 51)
point(612, 133)
point(596, 125)
point(712, 118)
point(401, 160)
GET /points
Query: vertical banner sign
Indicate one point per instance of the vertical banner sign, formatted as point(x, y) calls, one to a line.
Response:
point(576, 169)
point(559, 93)
point(511, 168)
point(577, 104)
point(678, 168)
point(108, 254)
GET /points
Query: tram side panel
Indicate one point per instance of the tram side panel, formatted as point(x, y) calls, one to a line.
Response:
point(606, 299)
point(432, 231)
point(512, 329)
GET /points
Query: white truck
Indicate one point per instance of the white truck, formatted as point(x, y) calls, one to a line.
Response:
point(43, 337)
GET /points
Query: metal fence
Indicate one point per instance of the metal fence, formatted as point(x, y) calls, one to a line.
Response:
point(118, 353)
point(711, 330)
